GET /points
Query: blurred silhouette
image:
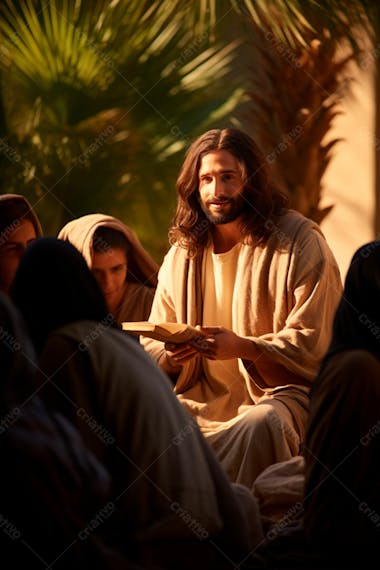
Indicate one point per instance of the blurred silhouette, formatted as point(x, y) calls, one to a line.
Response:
point(174, 507)
point(342, 451)
point(52, 487)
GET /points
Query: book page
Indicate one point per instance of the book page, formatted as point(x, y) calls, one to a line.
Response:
point(165, 332)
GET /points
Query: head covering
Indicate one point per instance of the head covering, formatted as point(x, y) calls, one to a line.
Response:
point(357, 318)
point(53, 286)
point(80, 232)
point(15, 208)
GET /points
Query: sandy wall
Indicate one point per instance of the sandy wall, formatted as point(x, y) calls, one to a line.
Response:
point(349, 178)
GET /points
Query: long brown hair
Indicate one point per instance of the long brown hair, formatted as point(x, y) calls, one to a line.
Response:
point(190, 227)
point(14, 209)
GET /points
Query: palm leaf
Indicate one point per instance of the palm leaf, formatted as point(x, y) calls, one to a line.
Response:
point(105, 97)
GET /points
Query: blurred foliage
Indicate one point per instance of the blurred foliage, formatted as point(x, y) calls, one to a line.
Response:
point(98, 103)
point(292, 21)
point(99, 100)
point(294, 97)
point(295, 56)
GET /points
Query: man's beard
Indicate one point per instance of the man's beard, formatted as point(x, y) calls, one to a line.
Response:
point(235, 210)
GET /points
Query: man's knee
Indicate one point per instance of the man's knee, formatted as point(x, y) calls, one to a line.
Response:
point(263, 416)
point(264, 420)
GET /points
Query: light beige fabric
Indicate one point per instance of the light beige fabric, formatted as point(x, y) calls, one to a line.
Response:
point(168, 485)
point(279, 490)
point(285, 297)
point(136, 304)
point(138, 296)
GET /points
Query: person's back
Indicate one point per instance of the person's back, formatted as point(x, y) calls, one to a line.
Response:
point(51, 485)
point(173, 504)
point(342, 449)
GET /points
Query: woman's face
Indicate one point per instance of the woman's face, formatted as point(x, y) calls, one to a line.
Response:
point(110, 270)
point(12, 247)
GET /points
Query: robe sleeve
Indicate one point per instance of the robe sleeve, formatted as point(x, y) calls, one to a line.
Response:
point(306, 293)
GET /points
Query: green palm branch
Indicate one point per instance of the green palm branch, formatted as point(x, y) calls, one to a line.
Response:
point(296, 81)
point(103, 100)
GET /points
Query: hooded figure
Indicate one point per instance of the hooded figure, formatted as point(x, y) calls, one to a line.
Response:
point(51, 485)
point(342, 449)
point(173, 505)
point(125, 271)
point(19, 226)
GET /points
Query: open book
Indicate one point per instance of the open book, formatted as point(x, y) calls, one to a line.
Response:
point(165, 332)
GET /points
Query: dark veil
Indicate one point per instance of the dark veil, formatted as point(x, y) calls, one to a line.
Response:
point(17, 356)
point(357, 319)
point(53, 286)
point(51, 485)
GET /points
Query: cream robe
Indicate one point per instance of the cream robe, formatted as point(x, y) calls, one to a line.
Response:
point(170, 496)
point(285, 297)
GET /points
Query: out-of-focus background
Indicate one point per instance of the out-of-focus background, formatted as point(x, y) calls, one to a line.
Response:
point(100, 100)
point(350, 178)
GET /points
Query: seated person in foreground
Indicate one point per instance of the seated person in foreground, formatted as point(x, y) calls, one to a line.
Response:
point(322, 510)
point(173, 505)
point(342, 450)
point(262, 283)
point(51, 485)
point(19, 226)
point(125, 271)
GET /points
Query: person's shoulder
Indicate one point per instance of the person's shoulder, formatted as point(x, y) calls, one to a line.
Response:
point(84, 332)
point(304, 232)
point(137, 302)
point(353, 368)
point(358, 359)
point(175, 254)
point(292, 220)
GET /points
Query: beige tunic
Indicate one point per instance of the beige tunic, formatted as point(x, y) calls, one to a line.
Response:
point(284, 299)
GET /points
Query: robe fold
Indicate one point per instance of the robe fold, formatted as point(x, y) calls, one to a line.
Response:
point(285, 296)
point(167, 484)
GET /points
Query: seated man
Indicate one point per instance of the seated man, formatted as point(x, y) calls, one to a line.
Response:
point(262, 283)
point(323, 508)
point(19, 226)
point(342, 451)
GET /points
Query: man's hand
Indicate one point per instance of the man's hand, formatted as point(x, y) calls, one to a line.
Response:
point(215, 343)
point(178, 354)
point(225, 344)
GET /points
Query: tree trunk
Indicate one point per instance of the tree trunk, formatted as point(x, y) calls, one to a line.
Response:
point(377, 120)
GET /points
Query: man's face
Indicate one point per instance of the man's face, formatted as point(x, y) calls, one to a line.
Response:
point(220, 187)
point(12, 247)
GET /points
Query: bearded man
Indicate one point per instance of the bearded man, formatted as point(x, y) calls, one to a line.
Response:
point(262, 285)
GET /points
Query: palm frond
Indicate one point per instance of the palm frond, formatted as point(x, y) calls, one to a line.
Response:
point(100, 91)
point(292, 21)
point(293, 102)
